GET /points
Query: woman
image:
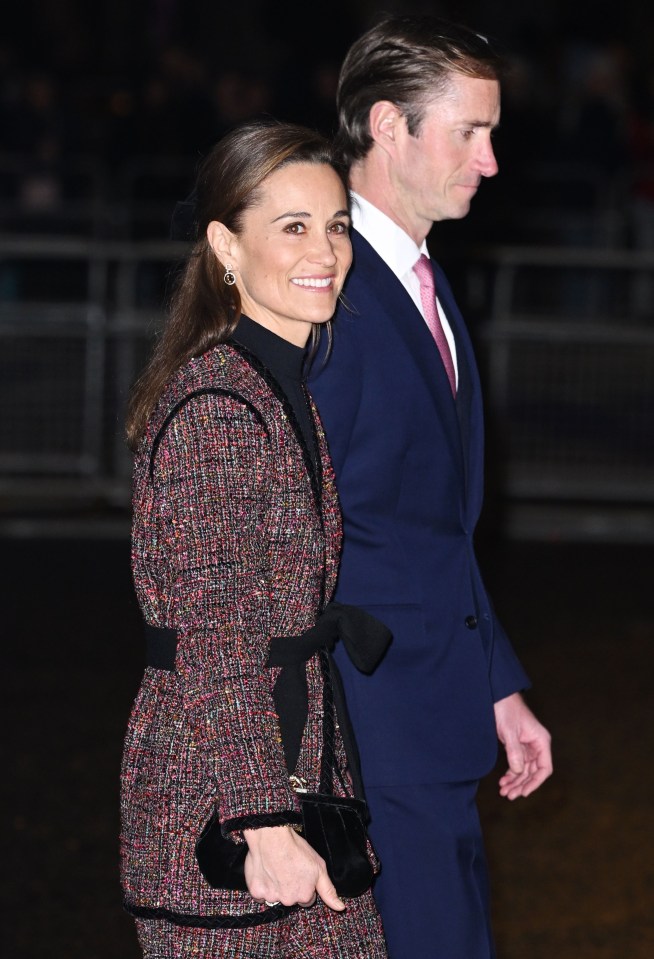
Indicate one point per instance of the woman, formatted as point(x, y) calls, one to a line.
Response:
point(236, 537)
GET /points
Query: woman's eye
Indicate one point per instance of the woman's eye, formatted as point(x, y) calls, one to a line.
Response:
point(296, 228)
point(338, 228)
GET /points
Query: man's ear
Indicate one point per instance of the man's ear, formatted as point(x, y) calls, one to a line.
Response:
point(222, 241)
point(385, 118)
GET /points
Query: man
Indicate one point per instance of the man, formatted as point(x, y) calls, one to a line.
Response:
point(418, 100)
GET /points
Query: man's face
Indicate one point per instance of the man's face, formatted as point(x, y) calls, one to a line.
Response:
point(438, 172)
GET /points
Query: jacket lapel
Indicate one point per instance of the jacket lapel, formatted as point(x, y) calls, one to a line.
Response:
point(400, 311)
point(469, 399)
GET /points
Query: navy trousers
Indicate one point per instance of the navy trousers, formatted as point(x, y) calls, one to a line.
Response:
point(433, 889)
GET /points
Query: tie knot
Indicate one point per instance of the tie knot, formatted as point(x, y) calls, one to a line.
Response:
point(422, 269)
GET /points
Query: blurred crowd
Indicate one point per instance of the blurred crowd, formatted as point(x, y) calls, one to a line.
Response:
point(118, 98)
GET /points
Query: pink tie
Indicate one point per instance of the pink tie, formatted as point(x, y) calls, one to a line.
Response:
point(425, 274)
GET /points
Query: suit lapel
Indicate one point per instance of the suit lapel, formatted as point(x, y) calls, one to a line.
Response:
point(401, 312)
point(466, 381)
point(469, 401)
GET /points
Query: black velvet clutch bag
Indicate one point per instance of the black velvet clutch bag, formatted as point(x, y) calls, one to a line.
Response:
point(221, 861)
point(334, 826)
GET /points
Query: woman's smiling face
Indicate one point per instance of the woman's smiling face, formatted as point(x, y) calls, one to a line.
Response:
point(293, 252)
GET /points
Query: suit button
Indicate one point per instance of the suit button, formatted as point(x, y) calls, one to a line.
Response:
point(471, 622)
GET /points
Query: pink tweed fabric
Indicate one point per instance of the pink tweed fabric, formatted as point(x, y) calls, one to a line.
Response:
point(317, 933)
point(232, 543)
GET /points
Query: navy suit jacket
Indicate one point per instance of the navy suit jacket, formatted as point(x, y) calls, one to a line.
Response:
point(409, 469)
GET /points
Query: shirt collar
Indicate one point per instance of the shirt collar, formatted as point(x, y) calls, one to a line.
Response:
point(395, 247)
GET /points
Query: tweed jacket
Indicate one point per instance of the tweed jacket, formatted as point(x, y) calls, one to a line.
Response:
point(236, 538)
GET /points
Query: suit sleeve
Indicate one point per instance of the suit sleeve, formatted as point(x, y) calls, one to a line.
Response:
point(212, 474)
point(507, 675)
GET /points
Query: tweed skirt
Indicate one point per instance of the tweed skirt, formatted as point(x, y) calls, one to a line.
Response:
point(316, 933)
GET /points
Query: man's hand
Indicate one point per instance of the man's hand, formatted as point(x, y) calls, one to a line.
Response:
point(528, 747)
point(282, 867)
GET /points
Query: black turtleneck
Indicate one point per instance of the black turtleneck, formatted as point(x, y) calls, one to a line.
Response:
point(286, 363)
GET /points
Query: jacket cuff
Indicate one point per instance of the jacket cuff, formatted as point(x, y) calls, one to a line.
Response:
point(233, 828)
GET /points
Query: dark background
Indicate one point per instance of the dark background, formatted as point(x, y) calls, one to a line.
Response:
point(163, 79)
point(572, 866)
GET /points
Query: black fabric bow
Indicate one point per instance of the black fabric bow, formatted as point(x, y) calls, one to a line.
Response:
point(366, 640)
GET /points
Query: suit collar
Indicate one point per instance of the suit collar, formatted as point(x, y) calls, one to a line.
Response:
point(395, 247)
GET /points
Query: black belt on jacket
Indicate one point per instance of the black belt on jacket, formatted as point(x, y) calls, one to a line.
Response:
point(366, 640)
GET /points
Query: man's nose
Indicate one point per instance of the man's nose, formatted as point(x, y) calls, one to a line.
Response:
point(486, 159)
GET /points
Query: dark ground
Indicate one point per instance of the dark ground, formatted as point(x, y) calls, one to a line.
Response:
point(572, 866)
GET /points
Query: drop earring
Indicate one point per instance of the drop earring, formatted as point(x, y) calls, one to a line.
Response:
point(230, 277)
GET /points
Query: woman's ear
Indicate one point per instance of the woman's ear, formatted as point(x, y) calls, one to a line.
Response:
point(222, 241)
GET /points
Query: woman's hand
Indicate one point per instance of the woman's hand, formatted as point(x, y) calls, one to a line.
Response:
point(281, 867)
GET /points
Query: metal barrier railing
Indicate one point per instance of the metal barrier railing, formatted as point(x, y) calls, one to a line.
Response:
point(570, 392)
point(569, 368)
point(66, 365)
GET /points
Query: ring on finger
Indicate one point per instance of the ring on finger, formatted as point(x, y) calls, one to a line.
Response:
point(276, 903)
